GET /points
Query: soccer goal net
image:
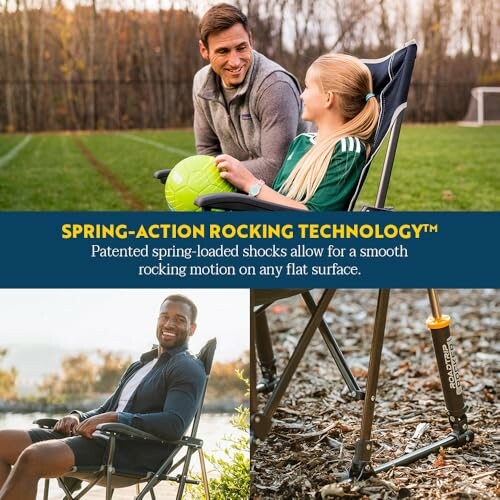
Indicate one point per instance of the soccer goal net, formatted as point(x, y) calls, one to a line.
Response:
point(484, 107)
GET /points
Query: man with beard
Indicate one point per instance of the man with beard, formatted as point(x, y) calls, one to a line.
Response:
point(245, 105)
point(157, 394)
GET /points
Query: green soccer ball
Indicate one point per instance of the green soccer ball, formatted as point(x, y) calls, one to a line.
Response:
point(190, 178)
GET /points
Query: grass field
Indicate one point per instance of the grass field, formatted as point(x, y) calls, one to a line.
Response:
point(437, 167)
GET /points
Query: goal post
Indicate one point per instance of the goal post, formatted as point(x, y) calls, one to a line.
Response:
point(484, 107)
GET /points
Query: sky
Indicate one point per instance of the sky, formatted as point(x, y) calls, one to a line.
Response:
point(119, 319)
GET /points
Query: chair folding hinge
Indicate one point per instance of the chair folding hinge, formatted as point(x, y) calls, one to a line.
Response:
point(458, 424)
point(463, 438)
point(269, 378)
point(191, 441)
point(261, 425)
point(357, 395)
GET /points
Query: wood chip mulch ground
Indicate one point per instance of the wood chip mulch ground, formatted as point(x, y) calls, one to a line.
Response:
point(317, 425)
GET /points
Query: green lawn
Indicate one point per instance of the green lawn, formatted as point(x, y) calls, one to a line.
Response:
point(442, 167)
point(437, 167)
point(7, 142)
point(51, 172)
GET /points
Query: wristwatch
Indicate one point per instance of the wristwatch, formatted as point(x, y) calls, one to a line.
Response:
point(255, 188)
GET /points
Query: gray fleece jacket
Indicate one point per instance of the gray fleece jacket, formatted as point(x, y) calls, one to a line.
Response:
point(259, 122)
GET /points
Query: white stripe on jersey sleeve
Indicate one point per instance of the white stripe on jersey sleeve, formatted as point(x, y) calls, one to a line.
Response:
point(343, 144)
point(351, 144)
point(358, 145)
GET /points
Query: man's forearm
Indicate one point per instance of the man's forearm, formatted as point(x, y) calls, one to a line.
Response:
point(207, 142)
point(279, 108)
point(208, 149)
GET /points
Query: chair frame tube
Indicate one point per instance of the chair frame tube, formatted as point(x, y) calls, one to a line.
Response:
point(361, 459)
point(409, 458)
point(262, 421)
point(46, 489)
point(204, 473)
point(385, 175)
point(335, 351)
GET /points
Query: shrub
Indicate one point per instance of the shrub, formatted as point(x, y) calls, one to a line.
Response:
point(233, 468)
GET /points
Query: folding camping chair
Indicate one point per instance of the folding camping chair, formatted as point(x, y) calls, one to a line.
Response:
point(106, 475)
point(391, 80)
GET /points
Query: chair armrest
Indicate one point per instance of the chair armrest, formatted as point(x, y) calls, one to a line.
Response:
point(191, 441)
point(162, 175)
point(366, 208)
point(45, 423)
point(125, 430)
point(238, 202)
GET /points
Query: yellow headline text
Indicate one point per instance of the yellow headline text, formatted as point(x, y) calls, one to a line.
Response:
point(246, 231)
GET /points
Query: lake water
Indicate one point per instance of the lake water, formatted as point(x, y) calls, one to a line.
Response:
point(212, 429)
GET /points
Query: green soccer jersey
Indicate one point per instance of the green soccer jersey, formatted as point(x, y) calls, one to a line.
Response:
point(340, 180)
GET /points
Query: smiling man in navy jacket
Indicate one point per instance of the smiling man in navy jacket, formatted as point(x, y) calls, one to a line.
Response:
point(157, 394)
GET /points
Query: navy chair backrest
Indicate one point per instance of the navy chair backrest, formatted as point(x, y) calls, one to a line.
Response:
point(206, 354)
point(391, 82)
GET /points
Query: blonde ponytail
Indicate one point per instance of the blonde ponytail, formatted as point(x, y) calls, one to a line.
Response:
point(350, 80)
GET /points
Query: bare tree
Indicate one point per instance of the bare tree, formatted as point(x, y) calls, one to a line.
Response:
point(110, 65)
point(435, 26)
point(28, 96)
point(118, 23)
point(149, 105)
point(164, 91)
point(41, 87)
point(348, 16)
point(91, 67)
point(9, 91)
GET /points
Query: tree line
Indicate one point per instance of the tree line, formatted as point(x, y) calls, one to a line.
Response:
point(102, 65)
point(85, 376)
point(82, 375)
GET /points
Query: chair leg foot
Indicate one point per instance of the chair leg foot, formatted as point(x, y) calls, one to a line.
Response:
point(361, 466)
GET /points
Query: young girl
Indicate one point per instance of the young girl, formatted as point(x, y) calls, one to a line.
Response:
point(321, 170)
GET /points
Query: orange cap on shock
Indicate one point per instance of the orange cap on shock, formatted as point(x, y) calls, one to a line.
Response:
point(437, 323)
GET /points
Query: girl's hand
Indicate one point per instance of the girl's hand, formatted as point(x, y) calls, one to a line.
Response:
point(233, 171)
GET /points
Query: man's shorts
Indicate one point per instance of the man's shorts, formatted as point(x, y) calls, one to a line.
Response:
point(86, 451)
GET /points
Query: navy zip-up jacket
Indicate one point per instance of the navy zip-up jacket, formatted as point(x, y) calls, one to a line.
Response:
point(163, 404)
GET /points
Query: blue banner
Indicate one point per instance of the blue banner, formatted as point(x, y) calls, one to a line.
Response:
point(248, 250)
